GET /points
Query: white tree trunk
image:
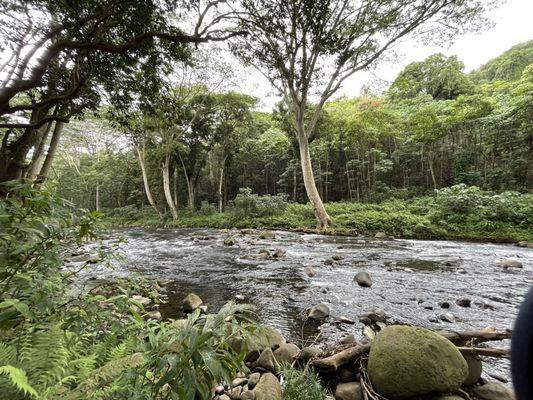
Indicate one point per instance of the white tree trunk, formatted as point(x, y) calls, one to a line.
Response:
point(166, 187)
point(141, 153)
point(47, 165)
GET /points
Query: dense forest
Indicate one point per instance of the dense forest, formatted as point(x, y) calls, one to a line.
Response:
point(126, 114)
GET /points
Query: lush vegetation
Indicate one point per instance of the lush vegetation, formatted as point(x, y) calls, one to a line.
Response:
point(60, 343)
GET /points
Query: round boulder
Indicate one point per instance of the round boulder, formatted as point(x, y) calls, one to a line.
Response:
point(509, 263)
point(319, 312)
point(363, 279)
point(349, 391)
point(268, 388)
point(406, 362)
point(192, 302)
point(286, 353)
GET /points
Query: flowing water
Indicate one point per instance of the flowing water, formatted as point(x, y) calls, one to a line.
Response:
point(410, 278)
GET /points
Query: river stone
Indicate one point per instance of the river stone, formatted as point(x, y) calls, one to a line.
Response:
point(363, 279)
point(248, 395)
point(192, 302)
point(154, 315)
point(508, 263)
point(287, 353)
point(463, 302)
point(493, 391)
point(446, 397)
point(349, 391)
point(235, 393)
point(224, 397)
point(239, 382)
point(262, 338)
point(347, 375)
point(380, 235)
point(268, 388)
point(230, 241)
point(267, 361)
point(278, 253)
point(406, 361)
point(475, 368)
point(143, 301)
point(525, 244)
point(319, 312)
point(444, 304)
point(310, 271)
point(267, 235)
point(253, 379)
point(308, 353)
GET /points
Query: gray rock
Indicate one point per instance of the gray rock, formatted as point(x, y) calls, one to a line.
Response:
point(224, 397)
point(319, 312)
point(267, 235)
point(349, 391)
point(239, 382)
point(253, 379)
point(337, 257)
point(310, 271)
point(191, 302)
point(203, 309)
point(287, 353)
point(350, 339)
point(508, 263)
point(475, 368)
point(380, 235)
point(143, 301)
point(230, 241)
point(308, 353)
point(248, 395)
point(346, 320)
point(267, 361)
point(240, 297)
point(463, 302)
point(363, 279)
point(219, 389)
point(525, 244)
point(154, 315)
point(235, 393)
point(329, 261)
point(444, 304)
point(268, 388)
point(278, 253)
point(493, 391)
point(376, 315)
point(447, 317)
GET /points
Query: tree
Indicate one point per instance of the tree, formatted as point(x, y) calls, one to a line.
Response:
point(68, 55)
point(438, 75)
point(308, 48)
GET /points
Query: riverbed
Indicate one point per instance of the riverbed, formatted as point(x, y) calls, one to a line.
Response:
point(410, 278)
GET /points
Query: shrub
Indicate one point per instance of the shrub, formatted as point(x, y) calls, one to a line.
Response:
point(253, 205)
point(302, 384)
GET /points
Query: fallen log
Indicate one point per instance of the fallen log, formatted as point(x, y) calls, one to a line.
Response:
point(484, 351)
point(475, 336)
point(334, 362)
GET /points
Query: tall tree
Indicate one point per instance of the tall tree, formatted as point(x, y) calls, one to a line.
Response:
point(309, 48)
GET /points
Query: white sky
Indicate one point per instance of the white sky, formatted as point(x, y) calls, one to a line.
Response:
point(513, 24)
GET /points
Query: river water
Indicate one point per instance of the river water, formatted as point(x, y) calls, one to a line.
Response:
point(410, 278)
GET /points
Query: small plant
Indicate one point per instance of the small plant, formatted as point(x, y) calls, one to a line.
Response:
point(302, 384)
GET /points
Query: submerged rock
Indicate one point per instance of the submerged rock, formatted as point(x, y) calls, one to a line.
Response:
point(508, 263)
point(406, 362)
point(230, 241)
point(319, 312)
point(278, 253)
point(363, 279)
point(310, 271)
point(463, 302)
point(268, 388)
point(493, 391)
point(191, 302)
point(349, 391)
point(267, 235)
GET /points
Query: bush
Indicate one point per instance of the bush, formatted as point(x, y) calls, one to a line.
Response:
point(253, 205)
point(207, 209)
point(302, 384)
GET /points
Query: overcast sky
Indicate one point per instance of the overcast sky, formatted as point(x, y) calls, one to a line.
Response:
point(513, 24)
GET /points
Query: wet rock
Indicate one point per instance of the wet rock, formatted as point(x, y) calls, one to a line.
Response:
point(509, 263)
point(463, 302)
point(350, 339)
point(329, 261)
point(253, 379)
point(143, 301)
point(369, 333)
point(380, 235)
point(248, 395)
point(347, 375)
point(363, 279)
point(278, 253)
point(308, 353)
point(240, 297)
point(286, 353)
point(235, 393)
point(239, 382)
point(444, 304)
point(475, 368)
point(451, 262)
point(224, 397)
point(346, 320)
point(525, 244)
point(376, 315)
point(191, 302)
point(349, 391)
point(203, 309)
point(447, 317)
point(219, 389)
point(268, 388)
point(319, 312)
point(310, 271)
point(267, 361)
point(263, 255)
point(337, 257)
point(247, 231)
point(265, 337)
point(493, 391)
point(156, 315)
point(267, 235)
point(429, 363)
point(230, 241)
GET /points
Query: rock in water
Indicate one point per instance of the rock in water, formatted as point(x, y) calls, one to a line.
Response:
point(267, 235)
point(508, 263)
point(286, 353)
point(319, 312)
point(267, 361)
point(363, 279)
point(310, 271)
point(192, 302)
point(308, 353)
point(406, 362)
point(380, 235)
point(475, 368)
point(463, 302)
point(268, 388)
point(349, 391)
point(493, 391)
point(230, 241)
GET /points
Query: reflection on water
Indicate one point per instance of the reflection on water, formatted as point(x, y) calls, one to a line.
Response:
point(410, 277)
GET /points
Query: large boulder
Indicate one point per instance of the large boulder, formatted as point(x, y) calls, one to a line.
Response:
point(267, 361)
point(349, 391)
point(308, 353)
point(191, 302)
point(262, 338)
point(268, 388)
point(493, 391)
point(406, 362)
point(319, 312)
point(287, 353)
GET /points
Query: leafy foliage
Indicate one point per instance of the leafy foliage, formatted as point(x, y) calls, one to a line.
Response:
point(253, 205)
point(302, 384)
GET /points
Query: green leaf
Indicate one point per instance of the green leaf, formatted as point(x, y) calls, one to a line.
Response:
point(18, 379)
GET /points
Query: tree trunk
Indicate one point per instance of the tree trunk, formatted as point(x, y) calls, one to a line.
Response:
point(323, 219)
point(97, 200)
point(220, 185)
point(38, 154)
point(166, 187)
point(47, 165)
point(142, 163)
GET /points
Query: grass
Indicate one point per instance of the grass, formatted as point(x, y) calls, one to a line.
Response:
point(421, 218)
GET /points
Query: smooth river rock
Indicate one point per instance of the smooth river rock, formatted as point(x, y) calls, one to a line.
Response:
point(407, 361)
point(191, 302)
point(493, 391)
point(268, 388)
point(363, 279)
point(287, 353)
point(509, 263)
point(267, 361)
point(349, 391)
point(475, 368)
point(319, 312)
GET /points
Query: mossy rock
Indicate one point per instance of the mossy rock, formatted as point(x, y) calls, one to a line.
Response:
point(406, 362)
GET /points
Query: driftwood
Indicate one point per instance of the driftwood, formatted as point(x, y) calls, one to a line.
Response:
point(333, 362)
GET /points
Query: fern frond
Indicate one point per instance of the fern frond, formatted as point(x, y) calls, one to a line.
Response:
point(18, 379)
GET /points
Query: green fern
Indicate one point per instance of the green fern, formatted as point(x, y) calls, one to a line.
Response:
point(18, 379)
